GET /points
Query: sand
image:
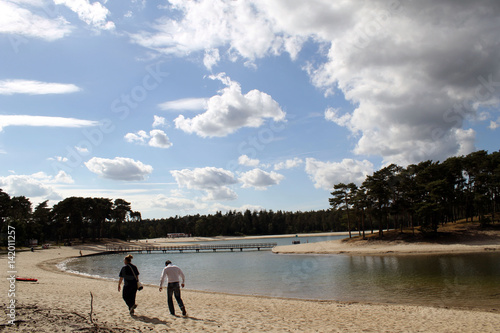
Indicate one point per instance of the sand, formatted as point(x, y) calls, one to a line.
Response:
point(373, 247)
point(61, 302)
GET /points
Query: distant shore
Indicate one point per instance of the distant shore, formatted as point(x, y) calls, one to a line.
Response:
point(453, 238)
point(357, 247)
point(365, 247)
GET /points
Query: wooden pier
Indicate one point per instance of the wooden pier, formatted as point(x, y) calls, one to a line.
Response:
point(182, 248)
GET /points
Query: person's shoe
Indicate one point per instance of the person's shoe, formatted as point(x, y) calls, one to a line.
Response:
point(132, 311)
point(184, 313)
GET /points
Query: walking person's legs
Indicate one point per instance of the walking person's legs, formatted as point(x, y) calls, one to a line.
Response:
point(129, 293)
point(177, 294)
point(170, 301)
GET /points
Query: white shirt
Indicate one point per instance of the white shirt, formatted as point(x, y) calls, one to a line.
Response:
point(172, 273)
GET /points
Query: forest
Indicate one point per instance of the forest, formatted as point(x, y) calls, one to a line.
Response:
point(420, 196)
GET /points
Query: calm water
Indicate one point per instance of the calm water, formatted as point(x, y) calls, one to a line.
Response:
point(450, 280)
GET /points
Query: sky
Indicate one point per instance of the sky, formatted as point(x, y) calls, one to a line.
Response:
point(188, 107)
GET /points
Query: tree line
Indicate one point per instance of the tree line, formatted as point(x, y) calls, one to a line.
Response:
point(83, 219)
point(424, 194)
point(421, 195)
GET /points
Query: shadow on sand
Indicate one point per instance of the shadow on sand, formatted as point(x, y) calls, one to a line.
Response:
point(149, 320)
point(157, 321)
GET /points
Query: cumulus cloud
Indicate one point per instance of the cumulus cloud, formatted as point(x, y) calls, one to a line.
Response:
point(326, 174)
point(42, 121)
point(155, 138)
point(203, 178)
point(19, 20)
point(119, 168)
point(231, 110)
point(247, 161)
point(222, 193)
point(413, 76)
point(214, 181)
point(288, 164)
point(414, 70)
point(159, 139)
point(94, 14)
point(38, 185)
point(260, 179)
point(206, 25)
point(30, 87)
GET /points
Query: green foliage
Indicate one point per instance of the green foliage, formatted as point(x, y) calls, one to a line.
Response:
point(425, 194)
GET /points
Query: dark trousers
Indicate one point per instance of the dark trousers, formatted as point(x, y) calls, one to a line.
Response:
point(173, 288)
point(129, 292)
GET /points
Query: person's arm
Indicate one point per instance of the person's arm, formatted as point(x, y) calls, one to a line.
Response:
point(120, 284)
point(163, 275)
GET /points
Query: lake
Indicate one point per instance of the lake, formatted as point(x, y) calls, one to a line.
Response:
point(465, 280)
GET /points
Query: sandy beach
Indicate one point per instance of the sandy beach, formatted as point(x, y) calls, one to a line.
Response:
point(62, 302)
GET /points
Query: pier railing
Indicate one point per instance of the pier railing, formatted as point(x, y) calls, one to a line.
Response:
point(182, 248)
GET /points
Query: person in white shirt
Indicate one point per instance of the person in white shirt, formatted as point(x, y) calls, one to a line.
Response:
point(174, 276)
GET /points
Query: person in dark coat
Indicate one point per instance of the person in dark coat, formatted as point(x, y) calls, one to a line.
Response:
point(129, 275)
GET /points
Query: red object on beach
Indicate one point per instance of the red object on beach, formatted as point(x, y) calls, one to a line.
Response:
point(26, 279)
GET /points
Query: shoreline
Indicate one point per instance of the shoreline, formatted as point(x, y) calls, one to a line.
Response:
point(383, 248)
point(62, 300)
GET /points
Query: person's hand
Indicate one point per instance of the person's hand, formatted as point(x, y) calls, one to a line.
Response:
point(119, 287)
point(160, 289)
point(182, 285)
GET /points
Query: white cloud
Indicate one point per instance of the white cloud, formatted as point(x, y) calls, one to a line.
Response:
point(332, 114)
point(9, 87)
point(185, 104)
point(326, 174)
point(288, 164)
point(61, 178)
point(214, 181)
point(42, 121)
point(119, 168)
point(231, 110)
point(58, 159)
point(260, 179)
point(176, 203)
point(208, 178)
point(38, 185)
point(247, 161)
point(81, 150)
point(223, 193)
point(208, 25)
point(141, 137)
point(414, 70)
point(18, 20)
point(155, 138)
point(211, 58)
point(159, 139)
point(407, 98)
point(94, 14)
point(159, 121)
point(218, 207)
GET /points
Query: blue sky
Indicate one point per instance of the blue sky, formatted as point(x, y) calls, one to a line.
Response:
point(186, 107)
